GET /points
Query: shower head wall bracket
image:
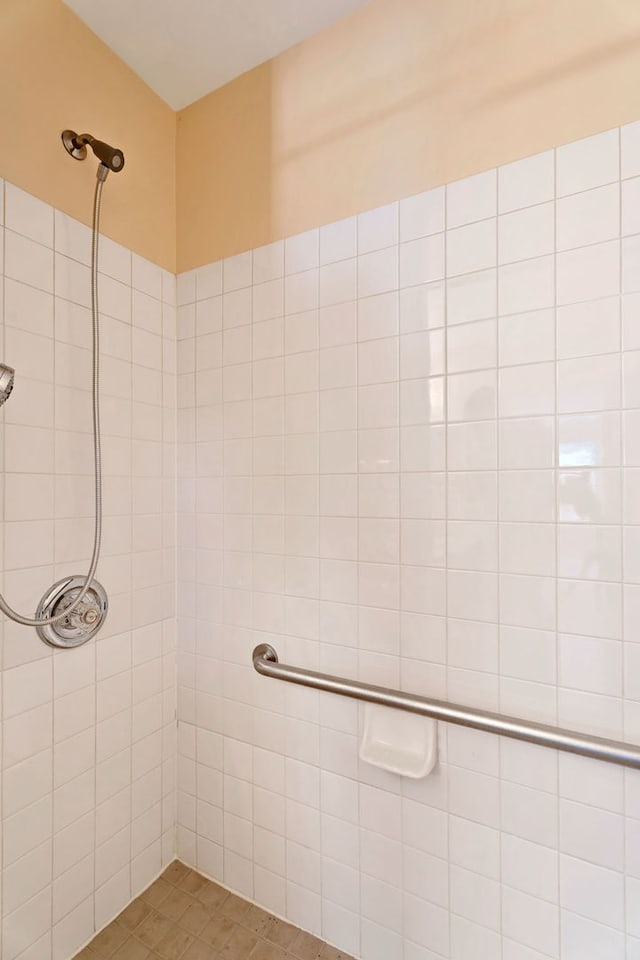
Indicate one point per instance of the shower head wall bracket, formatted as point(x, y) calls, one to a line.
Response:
point(74, 145)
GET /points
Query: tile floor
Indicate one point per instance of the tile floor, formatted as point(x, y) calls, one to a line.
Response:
point(183, 916)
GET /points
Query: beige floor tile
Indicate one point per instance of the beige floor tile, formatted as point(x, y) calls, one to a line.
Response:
point(134, 914)
point(212, 896)
point(157, 892)
point(267, 951)
point(257, 920)
point(282, 934)
point(132, 950)
point(152, 929)
point(199, 950)
point(195, 919)
point(331, 953)
point(306, 946)
point(174, 945)
point(184, 916)
point(239, 945)
point(175, 872)
point(235, 908)
point(193, 883)
point(217, 932)
point(175, 905)
point(108, 941)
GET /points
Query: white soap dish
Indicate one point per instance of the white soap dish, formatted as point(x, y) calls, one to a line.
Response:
point(400, 742)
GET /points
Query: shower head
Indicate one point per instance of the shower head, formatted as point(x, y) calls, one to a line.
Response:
point(6, 382)
point(76, 144)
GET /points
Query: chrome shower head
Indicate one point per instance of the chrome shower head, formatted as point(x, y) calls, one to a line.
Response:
point(6, 382)
point(76, 144)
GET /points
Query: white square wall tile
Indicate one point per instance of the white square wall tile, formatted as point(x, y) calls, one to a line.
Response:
point(267, 300)
point(28, 262)
point(592, 216)
point(268, 262)
point(630, 149)
point(588, 273)
point(525, 234)
point(528, 285)
point(582, 937)
point(27, 215)
point(527, 390)
point(524, 183)
point(422, 215)
point(186, 287)
point(338, 241)
point(588, 163)
point(422, 260)
point(420, 308)
point(474, 198)
point(338, 282)
point(237, 272)
point(472, 396)
point(470, 346)
point(115, 262)
point(302, 252)
point(472, 297)
point(527, 443)
point(589, 383)
point(146, 276)
point(591, 327)
point(209, 280)
point(527, 337)
point(378, 272)
point(630, 206)
point(378, 316)
point(591, 890)
point(590, 608)
point(592, 665)
point(630, 264)
point(378, 228)
point(472, 247)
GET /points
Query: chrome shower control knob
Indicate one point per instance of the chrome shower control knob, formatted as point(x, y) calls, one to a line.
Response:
point(82, 622)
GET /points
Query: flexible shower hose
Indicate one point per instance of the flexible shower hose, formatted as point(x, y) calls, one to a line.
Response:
point(97, 455)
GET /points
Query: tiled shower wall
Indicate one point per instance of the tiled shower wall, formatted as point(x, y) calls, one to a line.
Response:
point(88, 735)
point(409, 452)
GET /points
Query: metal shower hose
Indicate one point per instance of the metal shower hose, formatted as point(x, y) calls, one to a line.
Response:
point(97, 456)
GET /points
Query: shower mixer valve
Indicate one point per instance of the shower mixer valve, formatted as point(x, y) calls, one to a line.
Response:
point(83, 621)
point(85, 614)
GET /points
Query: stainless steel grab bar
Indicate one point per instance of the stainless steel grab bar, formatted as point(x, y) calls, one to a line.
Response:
point(265, 661)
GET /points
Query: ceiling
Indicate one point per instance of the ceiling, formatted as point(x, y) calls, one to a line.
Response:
point(184, 49)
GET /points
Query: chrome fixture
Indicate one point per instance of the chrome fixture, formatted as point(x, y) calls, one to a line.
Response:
point(7, 375)
point(74, 608)
point(65, 623)
point(76, 144)
point(265, 661)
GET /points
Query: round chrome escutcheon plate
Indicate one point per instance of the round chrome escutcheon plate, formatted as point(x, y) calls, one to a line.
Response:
point(82, 622)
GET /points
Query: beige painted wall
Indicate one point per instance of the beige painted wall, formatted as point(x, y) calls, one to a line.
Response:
point(400, 96)
point(55, 73)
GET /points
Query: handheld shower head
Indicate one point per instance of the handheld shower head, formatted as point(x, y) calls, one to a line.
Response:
point(110, 156)
point(7, 375)
point(76, 145)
